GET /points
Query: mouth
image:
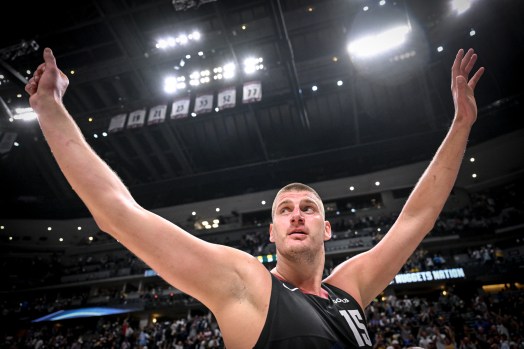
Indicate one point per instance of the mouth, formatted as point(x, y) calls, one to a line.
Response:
point(297, 233)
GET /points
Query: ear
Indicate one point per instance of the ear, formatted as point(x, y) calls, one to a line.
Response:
point(271, 237)
point(327, 231)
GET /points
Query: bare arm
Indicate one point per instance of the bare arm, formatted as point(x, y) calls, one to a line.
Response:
point(201, 269)
point(367, 274)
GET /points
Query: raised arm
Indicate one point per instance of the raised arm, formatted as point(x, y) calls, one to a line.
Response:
point(214, 274)
point(367, 274)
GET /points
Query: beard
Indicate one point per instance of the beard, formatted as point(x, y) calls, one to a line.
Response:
point(299, 254)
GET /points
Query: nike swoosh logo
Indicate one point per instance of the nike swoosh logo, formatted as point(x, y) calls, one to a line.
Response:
point(291, 289)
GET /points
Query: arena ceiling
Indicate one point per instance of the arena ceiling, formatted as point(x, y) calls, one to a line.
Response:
point(387, 110)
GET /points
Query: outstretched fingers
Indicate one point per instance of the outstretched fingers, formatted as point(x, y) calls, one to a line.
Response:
point(455, 68)
point(466, 66)
point(469, 58)
point(476, 77)
point(463, 65)
point(471, 63)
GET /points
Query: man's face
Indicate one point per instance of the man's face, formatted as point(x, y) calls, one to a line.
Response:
point(298, 223)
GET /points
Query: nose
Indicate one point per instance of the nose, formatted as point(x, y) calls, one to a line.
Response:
point(296, 217)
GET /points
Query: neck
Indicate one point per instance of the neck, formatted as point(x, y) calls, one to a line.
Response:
point(307, 277)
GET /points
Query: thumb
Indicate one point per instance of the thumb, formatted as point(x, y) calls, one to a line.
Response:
point(49, 58)
point(461, 82)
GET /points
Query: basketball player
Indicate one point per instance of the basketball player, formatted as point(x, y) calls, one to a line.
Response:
point(290, 306)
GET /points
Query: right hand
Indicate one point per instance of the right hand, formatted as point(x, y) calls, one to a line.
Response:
point(48, 84)
point(463, 87)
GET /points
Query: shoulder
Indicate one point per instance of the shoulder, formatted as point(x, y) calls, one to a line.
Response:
point(345, 278)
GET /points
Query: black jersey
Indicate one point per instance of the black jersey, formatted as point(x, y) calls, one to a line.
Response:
point(299, 320)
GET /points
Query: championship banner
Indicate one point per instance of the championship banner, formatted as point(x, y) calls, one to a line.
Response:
point(203, 104)
point(117, 123)
point(227, 98)
point(136, 118)
point(157, 114)
point(180, 108)
point(7, 141)
point(252, 92)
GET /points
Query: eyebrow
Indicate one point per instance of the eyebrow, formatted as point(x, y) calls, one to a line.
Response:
point(307, 200)
point(285, 202)
point(310, 201)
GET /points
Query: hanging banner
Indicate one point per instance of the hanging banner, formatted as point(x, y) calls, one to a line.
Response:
point(117, 123)
point(180, 108)
point(203, 104)
point(136, 118)
point(252, 92)
point(157, 114)
point(227, 98)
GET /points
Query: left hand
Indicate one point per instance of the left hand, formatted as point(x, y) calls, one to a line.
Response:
point(48, 84)
point(462, 89)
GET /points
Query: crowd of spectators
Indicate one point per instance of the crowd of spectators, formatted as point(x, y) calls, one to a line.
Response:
point(484, 321)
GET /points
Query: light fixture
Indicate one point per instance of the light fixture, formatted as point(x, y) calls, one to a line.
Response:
point(378, 43)
point(460, 6)
point(25, 114)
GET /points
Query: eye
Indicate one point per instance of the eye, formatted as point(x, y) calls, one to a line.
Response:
point(308, 209)
point(284, 209)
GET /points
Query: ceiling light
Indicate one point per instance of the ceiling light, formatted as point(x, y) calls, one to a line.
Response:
point(461, 6)
point(374, 44)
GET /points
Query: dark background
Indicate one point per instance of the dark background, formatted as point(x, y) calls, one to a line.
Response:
point(388, 112)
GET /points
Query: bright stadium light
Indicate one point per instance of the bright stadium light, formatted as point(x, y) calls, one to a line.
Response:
point(372, 45)
point(170, 84)
point(252, 64)
point(25, 114)
point(182, 39)
point(461, 6)
point(229, 71)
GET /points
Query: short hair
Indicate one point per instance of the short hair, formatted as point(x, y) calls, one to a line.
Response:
point(296, 186)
